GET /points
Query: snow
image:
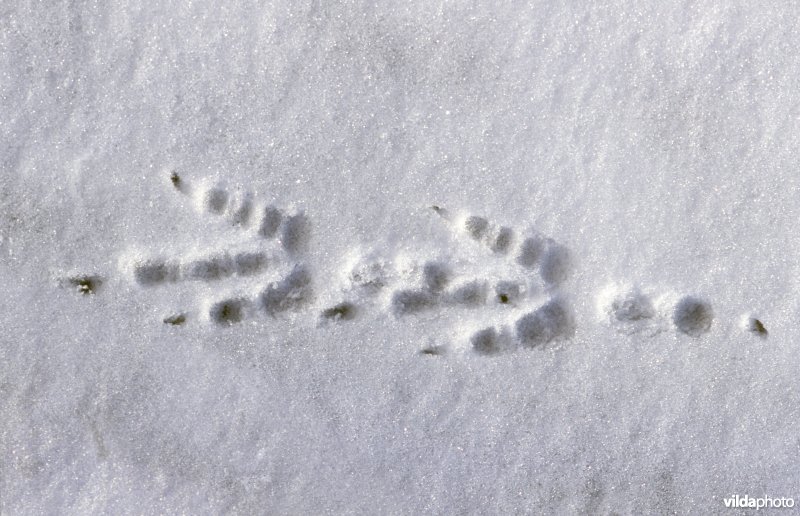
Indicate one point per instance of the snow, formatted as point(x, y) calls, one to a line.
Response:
point(225, 288)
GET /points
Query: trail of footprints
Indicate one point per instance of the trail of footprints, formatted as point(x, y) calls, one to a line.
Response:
point(525, 303)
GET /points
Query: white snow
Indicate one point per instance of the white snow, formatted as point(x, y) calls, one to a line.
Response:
point(649, 151)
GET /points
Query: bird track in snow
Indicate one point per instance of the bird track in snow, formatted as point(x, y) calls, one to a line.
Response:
point(529, 304)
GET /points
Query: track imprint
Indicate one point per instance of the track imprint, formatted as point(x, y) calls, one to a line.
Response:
point(260, 274)
point(535, 309)
point(500, 288)
point(634, 310)
point(500, 274)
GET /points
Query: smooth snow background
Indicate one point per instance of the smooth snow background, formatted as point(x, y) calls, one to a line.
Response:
point(657, 141)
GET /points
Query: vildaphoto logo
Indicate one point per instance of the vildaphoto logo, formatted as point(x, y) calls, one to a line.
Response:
point(765, 502)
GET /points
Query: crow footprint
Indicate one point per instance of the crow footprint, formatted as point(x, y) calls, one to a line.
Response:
point(260, 272)
point(513, 277)
point(541, 312)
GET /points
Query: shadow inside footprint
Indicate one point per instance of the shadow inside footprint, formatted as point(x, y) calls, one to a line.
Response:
point(435, 276)
point(530, 251)
point(295, 233)
point(270, 222)
point(155, 272)
point(249, 263)
point(210, 269)
point(556, 265)
point(345, 311)
point(216, 201)
point(290, 293)
point(503, 240)
point(486, 342)
point(551, 321)
point(241, 217)
point(411, 301)
point(693, 316)
point(471, 294)
point(476, 226)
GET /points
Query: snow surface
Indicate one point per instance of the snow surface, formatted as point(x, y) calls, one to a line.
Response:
point(361, 351)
